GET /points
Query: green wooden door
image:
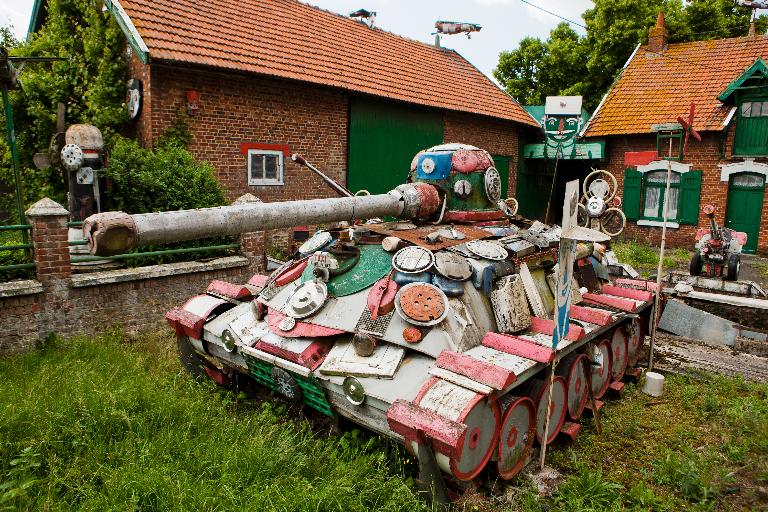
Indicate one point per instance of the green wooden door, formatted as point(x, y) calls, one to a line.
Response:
point(383, 139)
point(502, 165)
point(745, 206)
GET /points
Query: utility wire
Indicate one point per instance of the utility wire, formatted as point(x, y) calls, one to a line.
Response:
point(554, 14)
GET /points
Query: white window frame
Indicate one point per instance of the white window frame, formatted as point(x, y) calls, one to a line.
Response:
point(258, 182)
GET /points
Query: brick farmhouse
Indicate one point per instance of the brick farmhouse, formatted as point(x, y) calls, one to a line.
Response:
point(261, 80)
point(727, 80)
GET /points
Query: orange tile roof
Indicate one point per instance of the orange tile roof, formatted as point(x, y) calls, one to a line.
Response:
point(656, 88)
point(290, 39)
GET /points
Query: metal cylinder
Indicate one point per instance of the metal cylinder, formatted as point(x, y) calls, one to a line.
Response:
point(117, 232)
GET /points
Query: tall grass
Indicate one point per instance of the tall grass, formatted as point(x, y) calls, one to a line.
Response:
point(112, 425)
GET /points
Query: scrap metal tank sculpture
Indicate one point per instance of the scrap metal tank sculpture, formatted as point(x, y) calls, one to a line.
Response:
point(435, 330)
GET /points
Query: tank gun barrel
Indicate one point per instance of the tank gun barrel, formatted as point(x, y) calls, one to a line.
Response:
point(118, 232)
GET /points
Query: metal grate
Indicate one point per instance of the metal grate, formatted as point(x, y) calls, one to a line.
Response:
point(377, 327)
point(269, 291)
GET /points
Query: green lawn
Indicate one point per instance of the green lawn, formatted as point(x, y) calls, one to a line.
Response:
point(114, 424)
point(645, 259)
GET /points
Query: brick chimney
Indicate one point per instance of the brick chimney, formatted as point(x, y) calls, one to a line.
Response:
point(658, 39)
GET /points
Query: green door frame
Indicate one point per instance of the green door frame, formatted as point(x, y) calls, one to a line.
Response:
point(741, 202)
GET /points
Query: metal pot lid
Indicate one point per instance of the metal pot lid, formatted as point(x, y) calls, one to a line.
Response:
point(421, 304)
point(492, 184)
point(413, 259)
point(354, 391)
point(308, 298)
point(316, 242)
point(487, 250)
point(453, 266)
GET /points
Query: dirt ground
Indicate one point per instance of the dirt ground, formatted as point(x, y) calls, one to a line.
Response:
point(754, 268)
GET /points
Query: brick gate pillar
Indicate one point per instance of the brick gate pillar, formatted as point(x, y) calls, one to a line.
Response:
point(253, 244)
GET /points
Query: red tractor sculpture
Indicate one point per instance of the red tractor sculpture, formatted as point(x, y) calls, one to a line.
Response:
point(719, 249)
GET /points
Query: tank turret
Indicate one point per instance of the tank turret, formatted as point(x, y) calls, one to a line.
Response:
point(463, 331)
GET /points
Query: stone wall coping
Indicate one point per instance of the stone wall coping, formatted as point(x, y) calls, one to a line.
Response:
point(47, 207)
point(154, 271)
point(17, 288)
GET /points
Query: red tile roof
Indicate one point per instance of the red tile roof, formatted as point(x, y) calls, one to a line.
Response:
point(289, 39)
point(656, 88)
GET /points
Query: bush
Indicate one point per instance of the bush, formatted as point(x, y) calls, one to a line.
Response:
point(15, 257)
point(163, 179)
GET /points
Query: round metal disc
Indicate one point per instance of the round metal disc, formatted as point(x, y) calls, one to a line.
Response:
point(308, 298)
point(600, 358)
point(413, 259)
point(462, 189)
point(316, 242)
point(487, 250)
point(229, 340)
point(492, 184)
point(287, 323)
point(71, 157)
point(557, 409)
point(619, 352)
point(421, 304)
point(428, 165)
point(516, 436)
point(600, 188)
point(354, 391)
point(285, 384)
point(453, 266)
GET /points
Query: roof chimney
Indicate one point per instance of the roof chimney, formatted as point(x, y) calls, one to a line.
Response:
point(658, 39)
point(751, 29)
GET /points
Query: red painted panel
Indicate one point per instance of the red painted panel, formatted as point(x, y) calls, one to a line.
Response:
point(415, 423)
point(245, 146)
point(292, 273)
point(185, 323)
point(546, 326)
point(477, 216)
point(614, 302)
point(518, 347)
point(258, 280)
point(311, 357)
point(480, 371)
point(637, 284)
point(632, 158)
point(230, 290)
point(591, 315)
point(300, 330)
point(627, 293)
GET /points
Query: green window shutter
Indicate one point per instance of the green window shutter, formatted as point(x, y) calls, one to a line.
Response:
point(633, 181)
point(690, 195)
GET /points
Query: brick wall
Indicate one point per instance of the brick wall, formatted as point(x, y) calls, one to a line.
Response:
point(135, 299)
point(494, 135)
point(703, 156)
point(237, 109)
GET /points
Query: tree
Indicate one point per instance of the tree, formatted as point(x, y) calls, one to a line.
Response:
point(588, 65)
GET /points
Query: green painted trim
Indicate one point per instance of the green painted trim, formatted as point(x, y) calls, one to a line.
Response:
point(80, 259)
point(128, 28)
point(584, 151)
point(759, 66)
point(39, 11)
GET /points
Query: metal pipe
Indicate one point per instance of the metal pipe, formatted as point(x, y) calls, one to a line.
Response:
point(117, 232)
point(328, 181)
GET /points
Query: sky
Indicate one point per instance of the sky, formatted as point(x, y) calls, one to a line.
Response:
point(504, 22)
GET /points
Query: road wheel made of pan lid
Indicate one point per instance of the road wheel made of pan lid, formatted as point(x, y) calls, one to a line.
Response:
point(453, 266)
point(487, 250)
point(421, 304)
point(308, 298)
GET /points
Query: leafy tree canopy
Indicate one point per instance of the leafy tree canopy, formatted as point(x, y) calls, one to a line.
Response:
point(570, 64)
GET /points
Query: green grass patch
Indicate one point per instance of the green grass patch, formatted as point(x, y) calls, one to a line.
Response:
point(645, 259)
point(115, 425)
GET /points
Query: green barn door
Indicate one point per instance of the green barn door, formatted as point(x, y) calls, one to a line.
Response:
point(383, 139)
point(745, 206)
point(502, 165)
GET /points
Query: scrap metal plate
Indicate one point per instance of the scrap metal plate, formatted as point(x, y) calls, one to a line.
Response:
point(492, 181)
point(413, 259)
point(421, 304)
point(487, 250)
point(307, 299)
point(374, 263)
point(417, 235)
point(453, 266)
point(316, 242)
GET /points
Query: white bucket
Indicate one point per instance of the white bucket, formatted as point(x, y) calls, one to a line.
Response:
point(654, 384)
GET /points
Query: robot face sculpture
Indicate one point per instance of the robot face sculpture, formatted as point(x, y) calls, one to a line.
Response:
point(468, 178)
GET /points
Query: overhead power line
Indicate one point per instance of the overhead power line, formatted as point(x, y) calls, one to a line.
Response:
point(554, 14)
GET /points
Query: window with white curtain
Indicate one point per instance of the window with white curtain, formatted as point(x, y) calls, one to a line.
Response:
point(655, 195)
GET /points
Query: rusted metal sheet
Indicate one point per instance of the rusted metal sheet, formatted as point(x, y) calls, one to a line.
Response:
point(510, 306)
point(418, 235)
point(532, 292)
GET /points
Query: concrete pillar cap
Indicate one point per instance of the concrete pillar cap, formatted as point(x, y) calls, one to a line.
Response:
point(46, 207)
